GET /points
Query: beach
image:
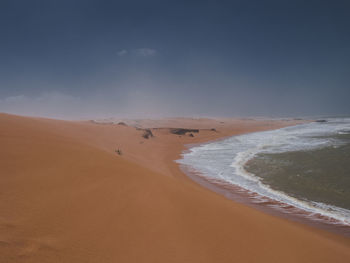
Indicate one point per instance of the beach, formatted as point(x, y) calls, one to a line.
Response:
point(88, 191)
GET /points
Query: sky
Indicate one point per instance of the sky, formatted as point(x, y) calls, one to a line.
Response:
point(97, 58)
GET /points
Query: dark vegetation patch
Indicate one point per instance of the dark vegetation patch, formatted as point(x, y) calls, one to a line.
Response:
point(147, 133)
point(181, 131)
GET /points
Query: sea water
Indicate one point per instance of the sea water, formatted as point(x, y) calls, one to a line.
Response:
point(306, 166)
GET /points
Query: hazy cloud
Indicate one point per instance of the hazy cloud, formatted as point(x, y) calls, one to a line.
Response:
point(145, 52)
point(137, 103)
point(122, 52)
point(53, 104)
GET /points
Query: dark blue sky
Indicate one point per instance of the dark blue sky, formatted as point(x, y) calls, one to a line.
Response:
point(89, 58)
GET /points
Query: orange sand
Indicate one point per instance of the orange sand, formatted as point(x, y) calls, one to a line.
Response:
point(66, 196)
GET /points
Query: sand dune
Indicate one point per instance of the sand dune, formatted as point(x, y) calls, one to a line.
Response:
point(66, 196)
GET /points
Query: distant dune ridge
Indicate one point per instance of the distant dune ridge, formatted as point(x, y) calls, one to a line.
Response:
point(67, 196)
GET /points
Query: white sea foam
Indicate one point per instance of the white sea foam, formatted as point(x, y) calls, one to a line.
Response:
point(225, 160)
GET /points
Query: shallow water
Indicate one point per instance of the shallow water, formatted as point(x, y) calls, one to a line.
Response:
point(321, 175)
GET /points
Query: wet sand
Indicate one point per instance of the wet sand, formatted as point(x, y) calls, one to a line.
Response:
point(67, 196)
point(268, 205)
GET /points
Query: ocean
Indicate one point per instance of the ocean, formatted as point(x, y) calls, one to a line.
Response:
point(306, 167)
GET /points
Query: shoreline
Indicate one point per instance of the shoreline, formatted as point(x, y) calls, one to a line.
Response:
point(260, 202)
